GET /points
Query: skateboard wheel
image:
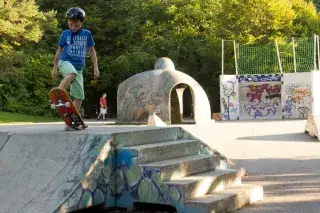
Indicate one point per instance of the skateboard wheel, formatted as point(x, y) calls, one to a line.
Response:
point(80, 127)
point(53, 106)
point(67, 104)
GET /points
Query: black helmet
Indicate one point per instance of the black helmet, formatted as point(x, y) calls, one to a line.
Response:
point(76, 13)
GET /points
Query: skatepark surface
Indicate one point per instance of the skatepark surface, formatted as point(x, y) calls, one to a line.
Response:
point(276, 154)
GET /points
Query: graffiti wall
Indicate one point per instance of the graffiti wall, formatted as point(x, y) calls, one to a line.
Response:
point(260, 97)
point(285, 96)
point(229, 102)
point(296, 95)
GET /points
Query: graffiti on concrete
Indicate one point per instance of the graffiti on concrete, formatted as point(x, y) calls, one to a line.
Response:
point(259, 78)
point(256, 91)
point(144, 100)
point(150, 92)
point(261, 109)
point(228, 99)
point(260, 100)
point(298, 100)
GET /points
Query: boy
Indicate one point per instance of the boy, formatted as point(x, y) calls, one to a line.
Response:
point(71, 53)
point(103, 107)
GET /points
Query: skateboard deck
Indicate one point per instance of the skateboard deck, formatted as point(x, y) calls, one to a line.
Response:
point(66, 109)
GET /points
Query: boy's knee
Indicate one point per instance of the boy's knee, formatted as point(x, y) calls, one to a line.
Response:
point(71, 76)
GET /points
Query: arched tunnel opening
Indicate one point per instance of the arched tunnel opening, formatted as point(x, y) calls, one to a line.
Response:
point(182, 104)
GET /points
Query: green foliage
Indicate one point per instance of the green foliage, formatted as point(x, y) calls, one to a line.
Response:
point(19, 21)
point(131, 35)
point(24, 59)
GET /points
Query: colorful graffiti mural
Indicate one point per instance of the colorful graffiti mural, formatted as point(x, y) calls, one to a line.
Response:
point(229, 99)
point(297, 99)
point(271, 96)
point(260, 100)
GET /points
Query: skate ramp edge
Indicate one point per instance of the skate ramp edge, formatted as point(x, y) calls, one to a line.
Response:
point(55, 172)
point(63, 171)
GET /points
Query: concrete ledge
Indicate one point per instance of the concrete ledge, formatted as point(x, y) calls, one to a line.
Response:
point(154, 152)
point(313, 125)
point(182, 167)
point(230, 199)
point(207, 182)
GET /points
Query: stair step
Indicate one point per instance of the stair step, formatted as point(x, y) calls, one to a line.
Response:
point(229, 199)
point(184, 166)
point(148, 153)
point(148, 136)
point(207, 182)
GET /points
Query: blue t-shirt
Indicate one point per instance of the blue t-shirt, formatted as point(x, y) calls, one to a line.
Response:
point(75, 47)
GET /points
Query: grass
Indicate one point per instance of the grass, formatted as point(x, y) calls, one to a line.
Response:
point(9, 118)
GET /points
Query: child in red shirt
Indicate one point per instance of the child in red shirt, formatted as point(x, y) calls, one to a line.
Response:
point(103, 107)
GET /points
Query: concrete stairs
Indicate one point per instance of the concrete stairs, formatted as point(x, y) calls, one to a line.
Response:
point(173, 167)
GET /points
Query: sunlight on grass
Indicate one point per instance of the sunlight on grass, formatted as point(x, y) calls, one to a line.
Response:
point(8, 117)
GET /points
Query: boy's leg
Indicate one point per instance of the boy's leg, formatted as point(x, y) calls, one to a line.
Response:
point(76, 90)
point(77, 103)
point(64, 84)
point(73, 78)
point(69, 73)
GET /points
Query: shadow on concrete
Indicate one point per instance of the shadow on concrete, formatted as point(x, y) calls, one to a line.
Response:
point(290, 185)
point(283, 207)
point(289, 137)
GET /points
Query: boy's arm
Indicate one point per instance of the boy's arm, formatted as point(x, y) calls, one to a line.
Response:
point(55, 63)
point(94, 59)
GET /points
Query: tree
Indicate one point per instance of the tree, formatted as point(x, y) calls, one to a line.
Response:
point(24, 60)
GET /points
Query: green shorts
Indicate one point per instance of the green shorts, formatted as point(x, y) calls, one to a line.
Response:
point(76, 86)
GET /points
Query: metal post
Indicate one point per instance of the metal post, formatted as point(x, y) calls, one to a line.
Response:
point(315, 52)
point(318, 48)
point(235, 57)
point(222, 58)
point(278, 55)
point(294, 56)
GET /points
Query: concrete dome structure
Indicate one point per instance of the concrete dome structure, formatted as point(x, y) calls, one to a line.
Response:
point(164, 91)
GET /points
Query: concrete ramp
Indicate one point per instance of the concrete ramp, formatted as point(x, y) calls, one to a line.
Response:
point(3, 139)
point(40, 172)
point(313, 125)
point(59, 172)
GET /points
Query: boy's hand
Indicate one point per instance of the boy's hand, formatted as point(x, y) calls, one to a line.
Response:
point(96, 73)
point(54, 73)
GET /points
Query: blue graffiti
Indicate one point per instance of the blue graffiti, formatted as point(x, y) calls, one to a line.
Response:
point(261, 109)
point(288, 107)
point(124, 158)
point(259, 78)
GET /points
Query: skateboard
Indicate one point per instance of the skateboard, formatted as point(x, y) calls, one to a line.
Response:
point(61, 101)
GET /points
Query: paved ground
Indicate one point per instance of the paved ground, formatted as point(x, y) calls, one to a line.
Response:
point(276, 154)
